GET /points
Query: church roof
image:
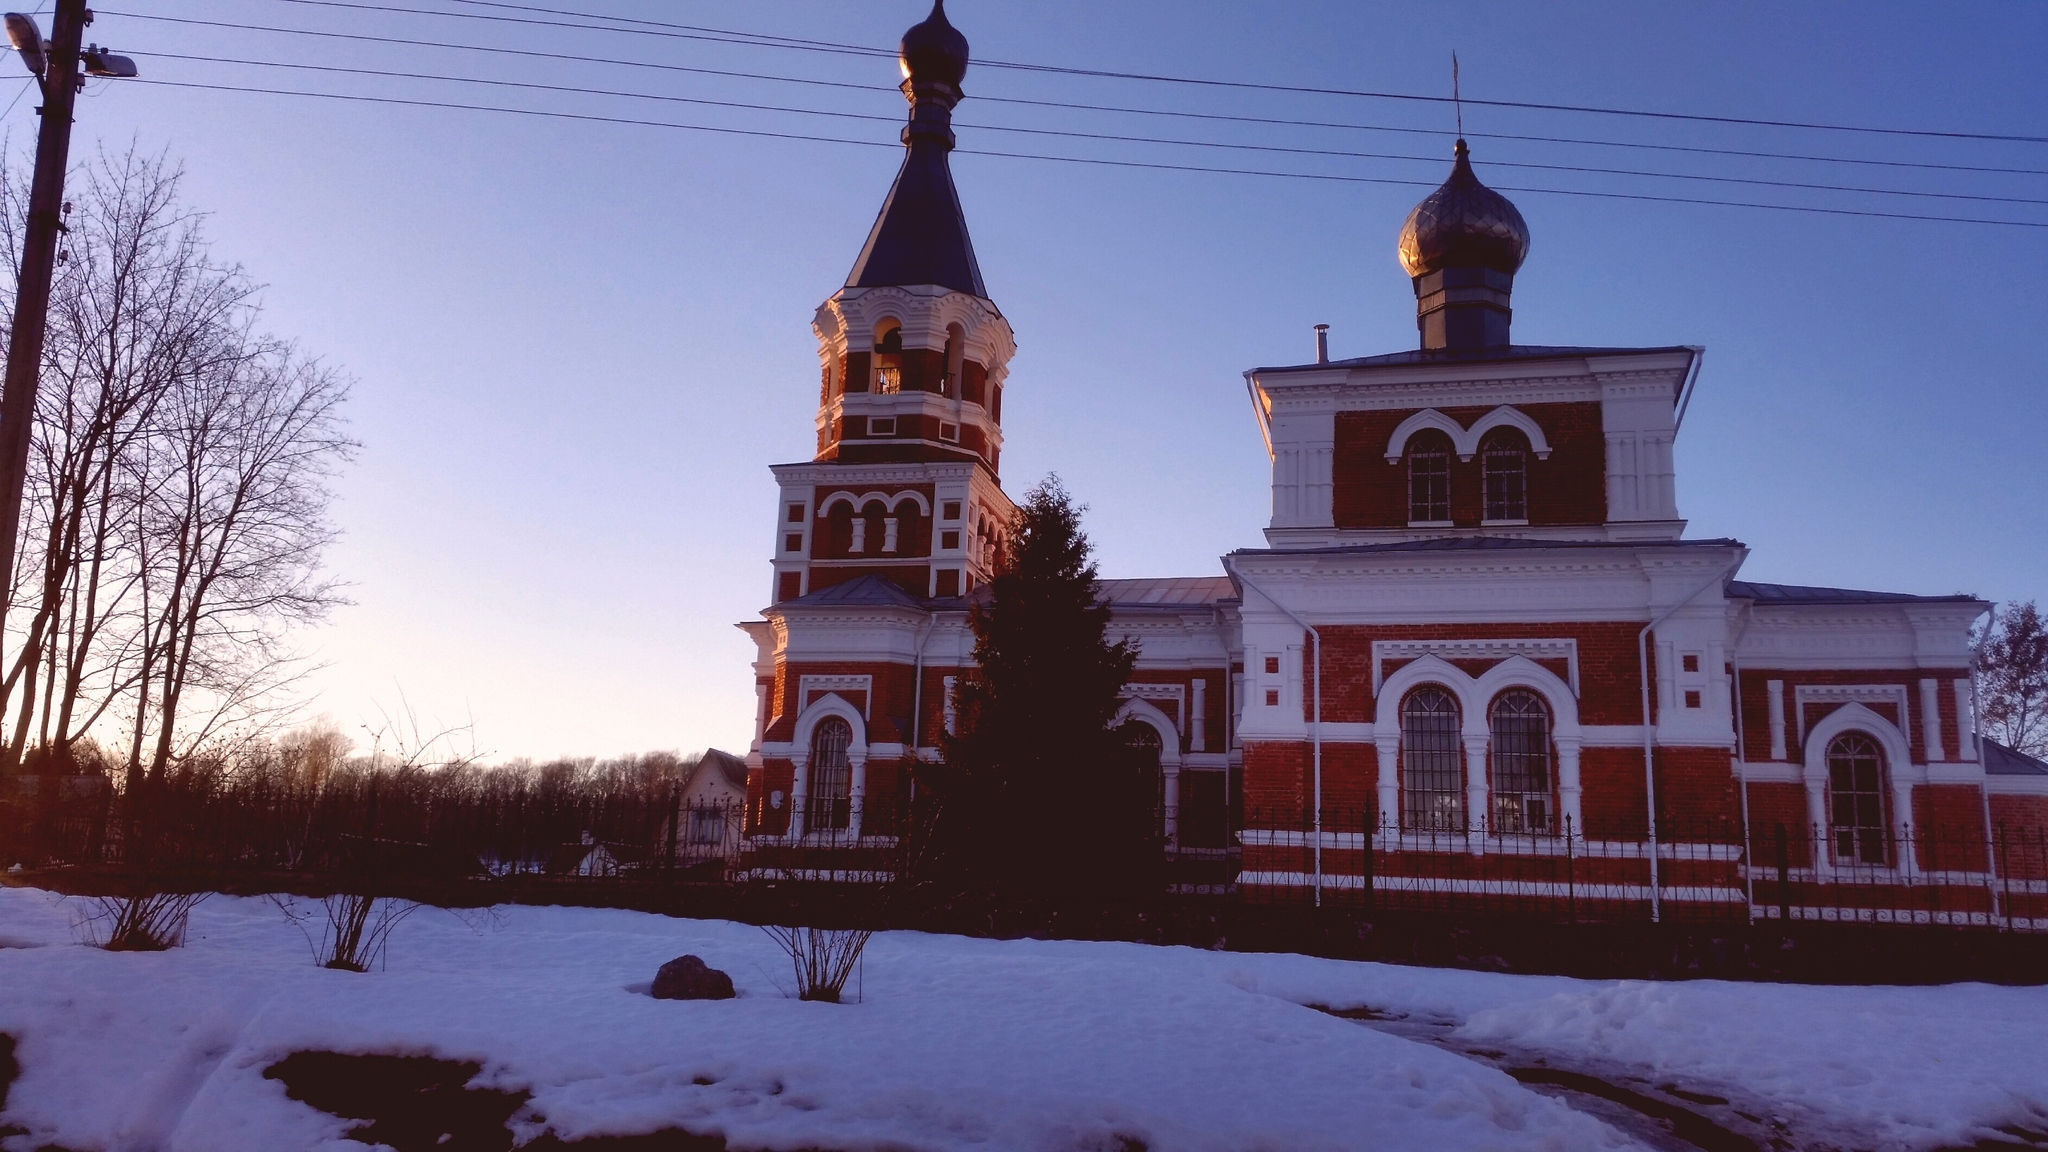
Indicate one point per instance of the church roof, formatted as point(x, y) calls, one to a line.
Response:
point(869, 591)
point(1172, 592)
point(1506, 352)
point(2002, 761)
point(1804, 594)
point(920, 237)
point(1482, 544)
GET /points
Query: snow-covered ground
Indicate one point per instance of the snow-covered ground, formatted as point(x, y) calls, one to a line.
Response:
point(957, 1043)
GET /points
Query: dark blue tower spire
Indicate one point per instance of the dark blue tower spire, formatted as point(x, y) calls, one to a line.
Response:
point(920, 237)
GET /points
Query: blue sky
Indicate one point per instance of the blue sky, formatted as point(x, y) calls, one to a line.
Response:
point(578, 346)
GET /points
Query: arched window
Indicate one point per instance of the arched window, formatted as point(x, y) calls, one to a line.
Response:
point(829, 805)
point(889, 357)
point(1432, 792)
point(1505, 460)
point(1429, 478)
point(956, 354)
point(1856, 800)
point(1521, 763)
point(1148, 796)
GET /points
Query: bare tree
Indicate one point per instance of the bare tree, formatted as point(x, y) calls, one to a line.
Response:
point(2012, 663)
point(132, 318)
point(177, 512)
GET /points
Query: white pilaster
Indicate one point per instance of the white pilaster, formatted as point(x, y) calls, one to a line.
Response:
point(1475, 790)
point(1966, 718)
point(760, 716)
point(1198, 719)
point(1389, 749)
point(1568, 790)
point(857, 794)
point(1930, 719)
point(799, 791)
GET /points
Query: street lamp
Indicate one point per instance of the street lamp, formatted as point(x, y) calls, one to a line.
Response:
point(27, 40)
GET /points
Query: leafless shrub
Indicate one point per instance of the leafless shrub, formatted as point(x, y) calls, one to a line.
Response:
point(358, 930)
point(824, 959)
point(153, 922)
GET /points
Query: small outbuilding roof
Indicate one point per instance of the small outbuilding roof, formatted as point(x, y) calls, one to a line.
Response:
point(729, 767)
point(2002, 761)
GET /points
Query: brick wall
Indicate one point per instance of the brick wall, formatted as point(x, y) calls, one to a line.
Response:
point(893, 687)
point(1276, 780)
point(1568, 488)
point(1754, 686)
point(1610, 690)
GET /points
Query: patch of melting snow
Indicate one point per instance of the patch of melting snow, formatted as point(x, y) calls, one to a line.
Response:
point(1663, 1116)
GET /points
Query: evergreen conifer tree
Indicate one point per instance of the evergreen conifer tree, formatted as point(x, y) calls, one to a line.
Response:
point(1038, 792)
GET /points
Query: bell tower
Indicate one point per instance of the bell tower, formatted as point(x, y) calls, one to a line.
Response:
point(913, 356)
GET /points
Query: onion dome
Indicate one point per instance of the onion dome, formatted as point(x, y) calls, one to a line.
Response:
point(934, 50)
point(1463, 224)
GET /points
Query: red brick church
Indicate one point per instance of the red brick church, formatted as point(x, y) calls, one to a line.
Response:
point(1475, 617)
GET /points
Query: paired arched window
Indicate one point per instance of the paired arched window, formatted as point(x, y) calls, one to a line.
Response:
point(1504, 461)
point(829, 806)
point(1856, 800)
point(1429, 478)
point(1432, 777)
point(1520, 755)
point(1518, 761)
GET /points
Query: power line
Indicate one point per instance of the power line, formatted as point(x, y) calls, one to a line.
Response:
point(1110, 137)
point(724, 35)
point(757, 132)
point(1278, 121)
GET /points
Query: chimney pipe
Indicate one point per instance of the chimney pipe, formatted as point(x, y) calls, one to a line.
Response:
point(1322, 343)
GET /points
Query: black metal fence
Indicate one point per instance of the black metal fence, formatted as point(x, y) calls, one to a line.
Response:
point(434, 827)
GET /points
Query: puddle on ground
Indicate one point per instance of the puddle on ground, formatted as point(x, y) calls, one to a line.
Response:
point(423, 1104)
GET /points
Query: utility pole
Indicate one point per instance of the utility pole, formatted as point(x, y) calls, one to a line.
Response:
point(55, 66)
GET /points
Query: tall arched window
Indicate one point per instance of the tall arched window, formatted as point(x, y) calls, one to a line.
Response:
point(1148, 797)
point(889, 357)
point(1856, 800)
point(1520, 759)
point(1505, 460)
point(829, 806)
point(956, 355)
point(1429, 478)
point(1432, 781)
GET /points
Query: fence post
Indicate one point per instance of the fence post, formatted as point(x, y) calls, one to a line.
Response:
point(1784, 879)
point(2005, 873)
point(1367, 825)
point(1571, 880)
point(675, 817)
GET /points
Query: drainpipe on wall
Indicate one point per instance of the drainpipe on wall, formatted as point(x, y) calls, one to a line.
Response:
point(1316, 726)
point(1984, 789)
point(917, 702)
point(1649, 731)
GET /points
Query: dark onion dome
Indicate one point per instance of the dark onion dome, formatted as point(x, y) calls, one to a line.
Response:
point(934, 50)
point(1463, 224)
